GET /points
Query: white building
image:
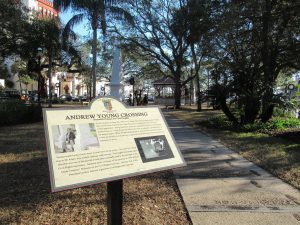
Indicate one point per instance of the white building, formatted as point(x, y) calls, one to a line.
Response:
point(30, 4)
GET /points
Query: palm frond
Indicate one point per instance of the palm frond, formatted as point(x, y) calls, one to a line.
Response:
point(62, 4)
point(116, 2)
point(68, 32)
point(121, 14)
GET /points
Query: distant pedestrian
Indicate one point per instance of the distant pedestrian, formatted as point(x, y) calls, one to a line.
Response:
point(129, 100)
point(145, 99)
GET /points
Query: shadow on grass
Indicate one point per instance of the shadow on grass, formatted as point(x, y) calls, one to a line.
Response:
point(22, 138)
point(27, 182)
point(25, 189)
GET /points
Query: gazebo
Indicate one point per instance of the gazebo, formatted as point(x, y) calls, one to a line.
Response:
point(164, 88)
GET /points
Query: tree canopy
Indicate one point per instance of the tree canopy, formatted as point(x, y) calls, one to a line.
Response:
point(254, 41)
point(14, 28)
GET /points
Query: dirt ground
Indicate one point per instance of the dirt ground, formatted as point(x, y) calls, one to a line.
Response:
point(25, 196)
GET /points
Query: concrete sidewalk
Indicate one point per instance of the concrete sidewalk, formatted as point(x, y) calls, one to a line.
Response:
point(221, 187)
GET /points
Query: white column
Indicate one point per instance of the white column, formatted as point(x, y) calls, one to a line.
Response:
point(115, 83)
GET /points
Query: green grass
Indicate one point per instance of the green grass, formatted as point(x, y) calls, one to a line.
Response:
point(279, 156)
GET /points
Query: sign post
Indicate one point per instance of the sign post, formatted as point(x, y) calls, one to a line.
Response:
point(114, 202)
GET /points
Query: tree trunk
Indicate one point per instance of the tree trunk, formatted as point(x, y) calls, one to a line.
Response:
point(267, 106)
point(191, 92)
point(177, 90)
point(43, 92)
point(50, 79)
point(20, 83)
point(252, 107)
point(268, 64)
point(197, 67)
point(198, 93)
point(94, 52)
point(227, 111)
point(267, 115)
point(220, 93)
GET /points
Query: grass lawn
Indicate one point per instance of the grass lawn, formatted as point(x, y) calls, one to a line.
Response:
point(279, 156)
point(25, 196)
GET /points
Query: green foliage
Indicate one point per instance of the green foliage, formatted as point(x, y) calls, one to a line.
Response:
point(16, 112)
point(220, 122)
point(14, 26)
point(284, 123)
point(57, 101)
point(9, 84)
point(254, 42)
point(278, 123)
point(281, 112)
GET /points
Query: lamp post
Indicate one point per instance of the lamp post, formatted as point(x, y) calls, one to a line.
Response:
point(39, 70)
point(18, 67)
point(50, 64)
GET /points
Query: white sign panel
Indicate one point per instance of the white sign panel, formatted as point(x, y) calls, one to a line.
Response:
point(106, 142)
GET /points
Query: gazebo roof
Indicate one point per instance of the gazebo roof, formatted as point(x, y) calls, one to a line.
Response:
point(166, 81)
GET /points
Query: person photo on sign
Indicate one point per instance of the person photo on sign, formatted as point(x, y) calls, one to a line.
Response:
point(75, 138)
point(64, 138)
point(153, 148)
point(70, 138)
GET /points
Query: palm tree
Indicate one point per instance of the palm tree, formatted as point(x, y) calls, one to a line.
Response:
point(96, 11)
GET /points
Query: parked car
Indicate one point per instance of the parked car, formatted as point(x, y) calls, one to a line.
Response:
point(66, 97)
point(35, 98)
point(75, 98)
point(151, 98)
point(82, 98)
point(12, 94)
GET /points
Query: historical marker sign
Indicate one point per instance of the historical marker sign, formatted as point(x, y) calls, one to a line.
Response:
point(106, 142)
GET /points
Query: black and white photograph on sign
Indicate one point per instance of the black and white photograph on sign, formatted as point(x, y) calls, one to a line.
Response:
point(154, 148)
point(74, 138)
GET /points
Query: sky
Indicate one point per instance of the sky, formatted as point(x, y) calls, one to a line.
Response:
point(81, 29)
point(65, 16)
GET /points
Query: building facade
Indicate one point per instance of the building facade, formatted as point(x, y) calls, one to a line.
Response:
point(44, 8)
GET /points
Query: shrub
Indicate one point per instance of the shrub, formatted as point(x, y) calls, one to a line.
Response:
point(16, 112)
point(57, 101)
point(278, 123)
point(217, 122)
point(279, 112)
point(284, 123)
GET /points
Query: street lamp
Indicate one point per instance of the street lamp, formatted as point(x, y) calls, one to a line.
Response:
point(39, 52)
point(39, 69)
